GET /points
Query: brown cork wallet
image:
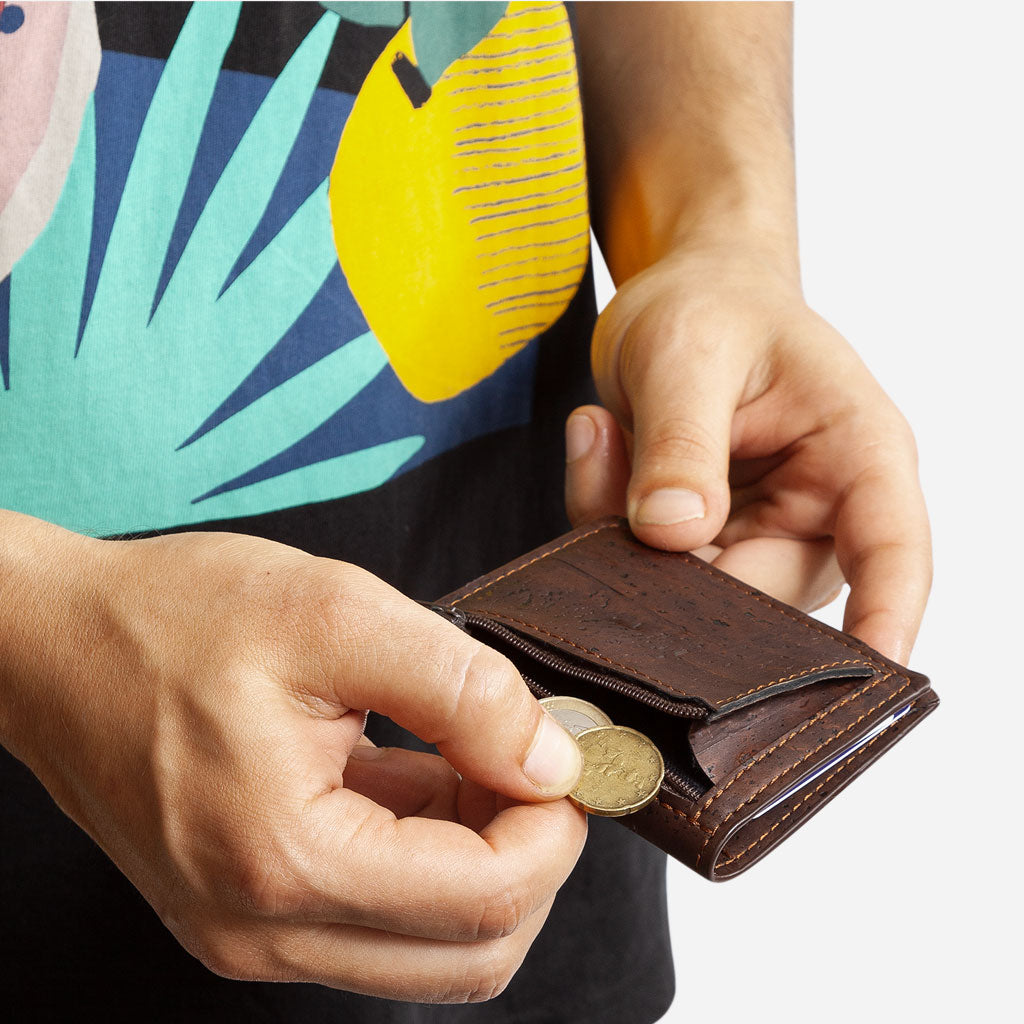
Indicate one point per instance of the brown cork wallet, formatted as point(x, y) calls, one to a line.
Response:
point(762, 713)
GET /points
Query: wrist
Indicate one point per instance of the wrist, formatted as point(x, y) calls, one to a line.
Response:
point(689, 129)
point(43, 582)
point(725, 205)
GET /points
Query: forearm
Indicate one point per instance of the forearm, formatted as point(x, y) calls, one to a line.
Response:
point(689, 128)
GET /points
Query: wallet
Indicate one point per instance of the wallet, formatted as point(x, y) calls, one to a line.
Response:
point(762, 713)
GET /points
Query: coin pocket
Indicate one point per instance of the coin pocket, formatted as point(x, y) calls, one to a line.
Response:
point(664, 720)
point(700, 744)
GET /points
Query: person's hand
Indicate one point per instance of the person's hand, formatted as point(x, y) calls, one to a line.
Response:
point(204, 722)
point(753, 433)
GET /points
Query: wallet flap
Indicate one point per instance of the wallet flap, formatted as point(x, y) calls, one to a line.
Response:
point(668, 620)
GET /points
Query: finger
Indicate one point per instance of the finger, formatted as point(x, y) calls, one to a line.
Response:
point(883, 543)
point(334, 737)
point(429, 877)
point(597, 465)
point(678, 495)
point(746, 474)
point(804, 574)
point(406, 782)
point(791, 516)
point(477, 806)
point(386, 653)
point(708, 552)
point(377, 963)
point(750, 520)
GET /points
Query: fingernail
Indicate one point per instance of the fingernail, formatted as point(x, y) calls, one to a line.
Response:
point(669, 506)
point(579, 437)
point(554, 762)
point(365, 752)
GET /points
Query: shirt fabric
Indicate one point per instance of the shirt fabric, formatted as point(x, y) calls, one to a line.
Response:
point(317, 273)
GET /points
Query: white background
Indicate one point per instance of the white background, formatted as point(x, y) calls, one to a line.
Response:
point(901, 899)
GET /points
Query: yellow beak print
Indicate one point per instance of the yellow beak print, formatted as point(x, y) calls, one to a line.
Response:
point(461, 224)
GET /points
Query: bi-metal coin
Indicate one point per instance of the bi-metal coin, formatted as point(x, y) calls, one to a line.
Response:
point(574, 715)
point(622, 771)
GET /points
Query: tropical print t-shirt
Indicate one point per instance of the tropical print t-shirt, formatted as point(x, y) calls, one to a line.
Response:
point(318, 273)
point(227, 293)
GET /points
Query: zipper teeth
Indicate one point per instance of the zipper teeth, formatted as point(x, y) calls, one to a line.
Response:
point(539, 691)
point(686, 787)
point(609, 682)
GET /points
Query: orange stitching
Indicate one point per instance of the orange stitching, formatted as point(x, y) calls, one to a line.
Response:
point(685, 817)
point(619, 664)
point(797, 617)
point(708, 570)
point(643, 675)
point(586, 650)
point(796, 675)
point(567, 544)
point(785, 739)
point(796, 806)
point(810, 753)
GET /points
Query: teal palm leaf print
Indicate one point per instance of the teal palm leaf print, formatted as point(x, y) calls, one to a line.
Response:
point(126, 402)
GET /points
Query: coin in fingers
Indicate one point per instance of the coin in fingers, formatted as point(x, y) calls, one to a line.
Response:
point(622, 771)
point(573, 714)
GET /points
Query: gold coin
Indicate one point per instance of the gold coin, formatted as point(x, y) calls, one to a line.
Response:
point(622, 771)
point(574, 715)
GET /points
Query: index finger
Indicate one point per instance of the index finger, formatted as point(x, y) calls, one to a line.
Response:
point(386, 653)
point(883, 543)
point(430, 877)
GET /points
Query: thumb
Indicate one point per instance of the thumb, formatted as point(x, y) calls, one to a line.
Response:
point(406, 662)
point(678, 494)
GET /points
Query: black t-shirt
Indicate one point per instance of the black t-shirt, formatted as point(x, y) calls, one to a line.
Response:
point(317, 273)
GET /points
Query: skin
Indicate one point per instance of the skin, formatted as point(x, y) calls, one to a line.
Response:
point(716, 377)
point(206, 731)
point(196, 702)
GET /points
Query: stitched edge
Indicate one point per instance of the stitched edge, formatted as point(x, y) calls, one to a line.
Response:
point(503, 617)
point(798, 617)
point(824, 713)
point(682, 814)
point(809, 754)
point(586, 650)
point(828, 778)
point(710, 831)
point(518, 568)
point(795, 675)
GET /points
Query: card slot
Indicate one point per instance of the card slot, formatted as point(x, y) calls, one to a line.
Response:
point(722, 744)
point(762, 825)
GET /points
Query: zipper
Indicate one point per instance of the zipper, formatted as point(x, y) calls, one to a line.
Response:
point(556, 662)
point(674, 779)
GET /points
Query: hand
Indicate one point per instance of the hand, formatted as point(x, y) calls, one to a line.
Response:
point(203, 724)
point(740, 424)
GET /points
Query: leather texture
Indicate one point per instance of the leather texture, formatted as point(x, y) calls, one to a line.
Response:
point(762, 713)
